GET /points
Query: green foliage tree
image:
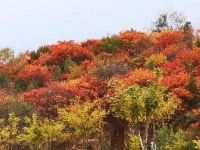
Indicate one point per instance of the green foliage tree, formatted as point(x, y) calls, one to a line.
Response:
point(4, 79)
point(58, 73)
point(142, 106)
point(110, 44)
point(198, 42)
point(161, 23)
point(167, 139)
point(170, 20)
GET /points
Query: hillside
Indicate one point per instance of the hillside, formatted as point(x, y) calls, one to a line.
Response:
point(132, 90)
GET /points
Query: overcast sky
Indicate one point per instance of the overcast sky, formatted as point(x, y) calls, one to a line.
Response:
point(28, 24)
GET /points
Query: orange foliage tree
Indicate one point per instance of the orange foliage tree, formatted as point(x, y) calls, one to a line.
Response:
point(63, 50)
point(167, 38)
point(134, 42)
point(140, 76)
point(35, 73)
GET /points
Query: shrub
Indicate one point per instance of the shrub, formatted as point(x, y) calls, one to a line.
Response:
point(167, 139)
point(110, 44)
point(134, 143)
point(16, 106)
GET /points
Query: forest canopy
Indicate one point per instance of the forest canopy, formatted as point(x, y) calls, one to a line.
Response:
point(132, 90)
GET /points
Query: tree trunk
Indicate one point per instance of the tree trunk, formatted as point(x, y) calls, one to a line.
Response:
point(140, 139)
point(146, 136)
point(117, 134)
point(154, 132)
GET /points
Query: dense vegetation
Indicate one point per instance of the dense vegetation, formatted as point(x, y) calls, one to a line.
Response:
point(132, 90)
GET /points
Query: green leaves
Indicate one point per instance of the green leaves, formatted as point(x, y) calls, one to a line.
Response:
point(168, 139)
point(110, 44)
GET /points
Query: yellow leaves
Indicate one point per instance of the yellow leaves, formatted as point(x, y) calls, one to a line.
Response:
point(197, 142)
point(155, 59)
point(39, 133)
point(120, 104)
point(9, 131)
point(85, 118)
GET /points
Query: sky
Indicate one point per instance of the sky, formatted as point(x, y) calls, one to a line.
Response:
point(29, 24)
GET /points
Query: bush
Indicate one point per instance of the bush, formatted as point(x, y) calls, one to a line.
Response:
point(4, 79)
point(110, 44)
point(134, 143)
point(20, 85)
point(16, 106)
point(167, 139)
point(198, 43)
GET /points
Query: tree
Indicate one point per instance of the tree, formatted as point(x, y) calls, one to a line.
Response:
point(41, 135)
point(151, 105)
point(134, 42)
point(61, 51)
point(167, 38)
point(170, 20)
point(9, 132)
point(110, 44)
point(168, 139)
point(48, 99)
point(6, 55)
point(34, 76)
point(161, 23)
point(141, 106)
point(15, 105)
point(85, 120)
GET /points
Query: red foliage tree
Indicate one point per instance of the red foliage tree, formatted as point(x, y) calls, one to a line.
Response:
point(176, 81)
point(167, 38)
point(37, 73)
point(63, 50)
point(133, 41)
point(174, 67)
point(48, 99)
point(92, 45)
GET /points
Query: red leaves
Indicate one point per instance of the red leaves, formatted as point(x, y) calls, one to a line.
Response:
point(35, 72)
point(173, 50)
point(196, 112)
point(47, 99)
point(193, 57)
point(92, 45)
point(167, 38)
point(174, 67)
point(63, 50)
point(176, 81)
point(182, 93)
